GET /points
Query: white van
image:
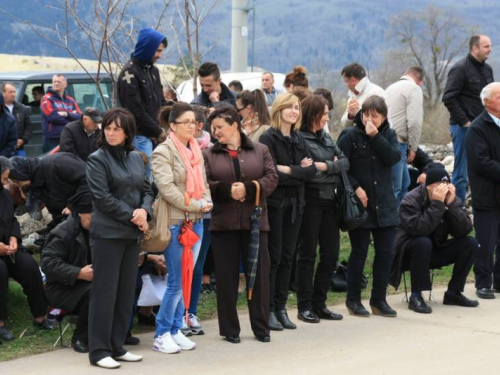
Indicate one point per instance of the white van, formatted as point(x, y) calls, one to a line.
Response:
point(249, 80)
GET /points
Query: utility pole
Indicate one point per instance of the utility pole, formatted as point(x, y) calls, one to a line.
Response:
point(239, 36)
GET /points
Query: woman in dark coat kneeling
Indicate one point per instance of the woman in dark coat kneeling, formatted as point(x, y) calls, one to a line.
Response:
point(231, 166)
point(372, 149)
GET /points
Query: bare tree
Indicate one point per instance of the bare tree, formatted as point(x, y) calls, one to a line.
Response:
point(433, 38)
point(106, 33)
point(191, 14)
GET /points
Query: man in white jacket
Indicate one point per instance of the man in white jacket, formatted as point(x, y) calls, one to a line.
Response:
point(404, 100)
point(360, 88)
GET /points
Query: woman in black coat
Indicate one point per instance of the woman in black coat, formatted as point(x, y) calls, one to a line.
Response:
point(372, 149)
point(122, 200)
point(319, 222)
point(16, 262)
point(295, 166)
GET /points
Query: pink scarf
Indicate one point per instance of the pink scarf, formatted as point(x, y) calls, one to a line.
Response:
point(192, 158)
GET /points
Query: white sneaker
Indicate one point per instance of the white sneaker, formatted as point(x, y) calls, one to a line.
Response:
point(194, 325)
point(183, 341)
point(129, 357)
point(166, 344)
point(108, 362)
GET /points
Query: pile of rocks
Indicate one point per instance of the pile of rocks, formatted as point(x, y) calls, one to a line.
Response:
point(30, 229)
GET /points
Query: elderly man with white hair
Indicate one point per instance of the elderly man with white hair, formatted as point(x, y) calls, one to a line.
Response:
point(482, 146)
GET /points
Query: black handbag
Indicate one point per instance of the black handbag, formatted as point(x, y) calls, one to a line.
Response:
point(339, 278)
point(351, 212)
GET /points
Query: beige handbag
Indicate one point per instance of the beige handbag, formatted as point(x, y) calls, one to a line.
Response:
point(158, 237)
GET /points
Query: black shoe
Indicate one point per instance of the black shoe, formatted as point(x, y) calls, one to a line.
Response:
point(131, 340)
point(5, 334)
point(79, 346)
point(284, 320)
point(326, 313)
point(233, 339)
point(146, 320)
point(458, 299)
point(263, 338)
point(308, 316)
point(418, 305)
point(45, 325)
point(356, 308)
point(381, 307)
point(274, 324)
point(485, 293)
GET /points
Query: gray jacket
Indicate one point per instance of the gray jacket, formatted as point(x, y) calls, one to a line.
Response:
point(118, 187)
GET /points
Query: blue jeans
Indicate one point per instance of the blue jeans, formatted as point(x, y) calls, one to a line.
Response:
point(145, 145)
point(460, 176)
point(169, 318)
point(400, 175)
point(198, 269)
point(49, 144)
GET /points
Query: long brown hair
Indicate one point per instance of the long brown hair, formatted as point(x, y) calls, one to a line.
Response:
point(258, 101)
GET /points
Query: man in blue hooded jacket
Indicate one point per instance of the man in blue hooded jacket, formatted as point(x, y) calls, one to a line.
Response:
point(140, 90)
point(8, 131)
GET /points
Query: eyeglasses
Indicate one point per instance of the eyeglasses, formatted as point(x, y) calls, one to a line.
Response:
point(187, 123)
point(240, 109)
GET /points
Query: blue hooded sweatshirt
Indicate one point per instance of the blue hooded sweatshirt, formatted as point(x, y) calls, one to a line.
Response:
point(148, 42)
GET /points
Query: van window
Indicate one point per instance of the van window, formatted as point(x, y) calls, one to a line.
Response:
point(32, 95)
point(87, 95)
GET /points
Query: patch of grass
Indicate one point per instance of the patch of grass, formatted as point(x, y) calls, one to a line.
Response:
point(34, 341)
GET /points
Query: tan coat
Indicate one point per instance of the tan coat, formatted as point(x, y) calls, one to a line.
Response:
point(170, 178)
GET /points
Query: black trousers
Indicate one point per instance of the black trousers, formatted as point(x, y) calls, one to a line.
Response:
point(421, 256)
point(487, 271)
point(112, 295)
point(318, 225)
point(82, 324)
point(25, 271)
point(283, 237)
point(228, 248)
point(383, 239)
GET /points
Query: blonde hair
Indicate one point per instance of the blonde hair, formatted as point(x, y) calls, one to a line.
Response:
point(283, 101)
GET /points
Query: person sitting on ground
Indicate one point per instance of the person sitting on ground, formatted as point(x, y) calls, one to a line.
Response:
point(235, 86)
point(430, 214)
point(16, 262)
point(80, 137)
point(252, 107)
point(149, 264)
point(67, 264)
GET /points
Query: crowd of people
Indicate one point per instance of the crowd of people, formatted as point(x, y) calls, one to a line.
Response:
point(237, 171)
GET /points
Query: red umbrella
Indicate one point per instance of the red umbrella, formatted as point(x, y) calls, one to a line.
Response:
point(188, 238)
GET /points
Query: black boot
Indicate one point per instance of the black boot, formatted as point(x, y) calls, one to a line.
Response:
point(274, 324)
point(284, 320)
point(356, 308)
point(381, 307)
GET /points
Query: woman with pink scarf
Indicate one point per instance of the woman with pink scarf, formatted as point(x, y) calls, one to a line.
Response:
point(179, 174)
